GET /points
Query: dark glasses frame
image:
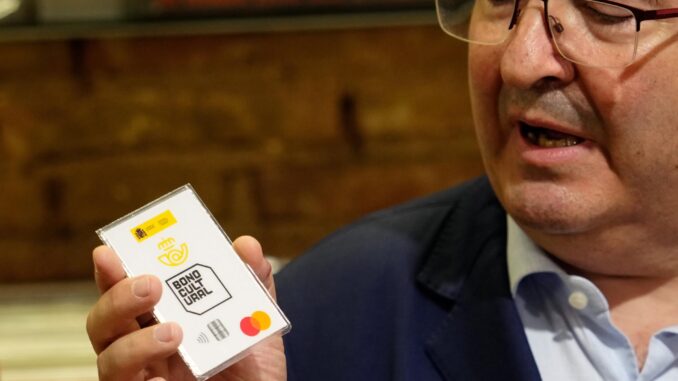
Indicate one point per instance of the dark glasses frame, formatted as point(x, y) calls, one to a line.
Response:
point(639, 14)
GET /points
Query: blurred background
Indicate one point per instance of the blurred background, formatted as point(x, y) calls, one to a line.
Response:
point(289, 117)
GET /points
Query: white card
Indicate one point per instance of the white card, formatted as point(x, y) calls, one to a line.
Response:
point(219, 302)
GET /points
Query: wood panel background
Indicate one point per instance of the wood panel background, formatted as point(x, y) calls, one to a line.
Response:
point(286, 136)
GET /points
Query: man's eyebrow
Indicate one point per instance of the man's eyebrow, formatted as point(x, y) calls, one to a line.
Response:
point(661, 4)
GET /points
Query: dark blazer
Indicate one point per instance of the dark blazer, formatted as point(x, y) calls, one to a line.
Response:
point(416, 292)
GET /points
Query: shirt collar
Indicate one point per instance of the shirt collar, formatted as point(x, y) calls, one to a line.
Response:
point(525, 257)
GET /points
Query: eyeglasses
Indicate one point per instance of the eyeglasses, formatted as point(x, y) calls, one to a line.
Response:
point(599, 33)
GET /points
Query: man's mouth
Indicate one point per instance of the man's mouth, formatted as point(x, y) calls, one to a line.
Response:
point(546, 138)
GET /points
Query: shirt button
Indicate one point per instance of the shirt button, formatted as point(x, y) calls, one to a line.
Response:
point(578, 300)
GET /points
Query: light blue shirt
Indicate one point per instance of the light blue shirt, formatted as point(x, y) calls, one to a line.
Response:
point(568, 325)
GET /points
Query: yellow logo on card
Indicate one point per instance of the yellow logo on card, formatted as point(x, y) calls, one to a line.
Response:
point(154, 226)
point(172, 255)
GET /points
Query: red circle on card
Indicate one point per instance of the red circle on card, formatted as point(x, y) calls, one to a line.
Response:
point(248, 327)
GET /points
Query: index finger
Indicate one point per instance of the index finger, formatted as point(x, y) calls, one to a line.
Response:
point(108, 269)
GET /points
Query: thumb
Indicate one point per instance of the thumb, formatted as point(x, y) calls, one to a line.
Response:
point(249, 250)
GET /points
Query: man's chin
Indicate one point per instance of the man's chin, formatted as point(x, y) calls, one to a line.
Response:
point(546, 223)
point(549, 211)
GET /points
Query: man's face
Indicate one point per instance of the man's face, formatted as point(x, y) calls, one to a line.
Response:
point(576, 149)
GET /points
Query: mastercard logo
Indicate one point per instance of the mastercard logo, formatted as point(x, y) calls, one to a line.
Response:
point(255, 323)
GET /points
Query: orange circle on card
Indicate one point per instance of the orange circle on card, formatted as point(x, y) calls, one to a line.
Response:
point(261, 320)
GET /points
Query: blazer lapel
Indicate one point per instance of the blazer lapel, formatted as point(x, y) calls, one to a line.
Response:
point(483, 341)
point(482, 337)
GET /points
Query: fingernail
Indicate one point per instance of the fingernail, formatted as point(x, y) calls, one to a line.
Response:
point(164, 333)
point(141, 287)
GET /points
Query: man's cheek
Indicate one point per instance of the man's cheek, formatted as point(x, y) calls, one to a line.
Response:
point(484, 79)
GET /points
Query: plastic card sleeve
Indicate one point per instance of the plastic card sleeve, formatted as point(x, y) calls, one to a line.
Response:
point(215, 297)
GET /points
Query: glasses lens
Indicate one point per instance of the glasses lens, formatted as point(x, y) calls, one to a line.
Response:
point(593, 33)
point(477, 21)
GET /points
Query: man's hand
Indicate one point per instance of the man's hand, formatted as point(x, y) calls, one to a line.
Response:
point(130, 346)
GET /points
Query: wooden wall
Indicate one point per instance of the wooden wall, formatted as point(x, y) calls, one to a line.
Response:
point(286, 136)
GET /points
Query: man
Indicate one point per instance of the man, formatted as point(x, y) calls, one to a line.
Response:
point(563, 266)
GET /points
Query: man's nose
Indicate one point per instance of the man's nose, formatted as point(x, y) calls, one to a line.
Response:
point(530, 56)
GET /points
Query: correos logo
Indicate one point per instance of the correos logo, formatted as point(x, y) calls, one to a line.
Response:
point(255, 323)
point(171, 254)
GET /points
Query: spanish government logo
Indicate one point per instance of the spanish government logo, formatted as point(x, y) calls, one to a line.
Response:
point(153, 226)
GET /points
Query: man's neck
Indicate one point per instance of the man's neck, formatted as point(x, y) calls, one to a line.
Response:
point(639, 280)
point(640, 307)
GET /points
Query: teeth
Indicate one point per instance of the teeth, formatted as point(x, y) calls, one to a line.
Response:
point(542, 138)
point(545, 141)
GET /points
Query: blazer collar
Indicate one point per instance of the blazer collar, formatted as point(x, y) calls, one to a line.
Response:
point(476, 220)
point(482, 337)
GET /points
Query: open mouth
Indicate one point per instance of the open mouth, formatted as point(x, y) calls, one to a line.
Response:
point(543, 137)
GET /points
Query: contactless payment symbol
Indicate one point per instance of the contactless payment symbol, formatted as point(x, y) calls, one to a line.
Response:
point(198, 289)
point(255, 323)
